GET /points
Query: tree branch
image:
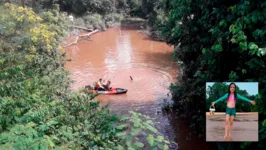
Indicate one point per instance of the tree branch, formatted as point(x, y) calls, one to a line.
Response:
point(81, 36)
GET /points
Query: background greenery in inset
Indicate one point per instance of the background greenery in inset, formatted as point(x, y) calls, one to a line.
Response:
point(218, 90)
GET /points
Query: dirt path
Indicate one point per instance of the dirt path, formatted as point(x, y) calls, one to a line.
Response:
point(245, 127)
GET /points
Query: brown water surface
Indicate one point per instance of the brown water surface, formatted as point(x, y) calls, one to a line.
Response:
point(116, 55)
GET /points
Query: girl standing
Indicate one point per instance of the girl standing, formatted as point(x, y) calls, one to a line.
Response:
point(231, 97)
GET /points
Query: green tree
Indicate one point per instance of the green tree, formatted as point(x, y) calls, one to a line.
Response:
point(216, 41)
point(37, 109)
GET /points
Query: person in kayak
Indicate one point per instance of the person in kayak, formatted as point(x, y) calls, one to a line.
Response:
point(107, 86)
point(230, 113)
point(99, 86)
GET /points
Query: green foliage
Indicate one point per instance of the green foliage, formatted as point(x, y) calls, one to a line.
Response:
point(97, 21)
point(113, 18)
point(216, 41)
point(94, 21)
point(37, 109)
point(157, 18)
point(80, 7)
point(137, 126)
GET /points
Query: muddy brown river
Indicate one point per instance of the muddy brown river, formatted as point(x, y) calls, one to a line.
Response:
point(117, 54)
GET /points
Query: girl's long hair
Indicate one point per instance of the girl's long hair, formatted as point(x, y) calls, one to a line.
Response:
point(235, 95)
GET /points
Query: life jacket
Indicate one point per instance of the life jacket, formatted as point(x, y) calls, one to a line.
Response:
point(96, 86)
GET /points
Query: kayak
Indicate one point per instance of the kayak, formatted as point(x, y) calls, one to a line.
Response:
point(112, 91)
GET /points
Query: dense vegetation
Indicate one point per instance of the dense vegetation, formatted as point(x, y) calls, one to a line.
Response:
point(216, 40)
point(218, 90)
point(37, 109)
point(98, 14)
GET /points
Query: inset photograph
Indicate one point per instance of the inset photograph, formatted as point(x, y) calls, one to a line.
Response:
point(231, 111)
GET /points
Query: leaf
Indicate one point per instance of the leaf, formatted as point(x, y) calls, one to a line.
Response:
point(54, 137)
point(165, 147)
point(252, 46)
point(135, 131)
point(58, 148)
point(243, 45)
point(264, 123)
point(244, 71)
point(232, 28)
point(233, 40)
point(161, 146)
point(68, 135)
point(233, 76)
point(217, 47)
point(261, 52)
point(166, 141)
point(52, 122)
point(137, 122)
point(44, 127)
point(85, 133)
point(119, 147)
point(160, 138)
point(30, 124)
point(124, 119)
point(223, 23)
point(246, 20)
point(121, 134)
point(150, 139)
point(149, 122)
point(254, 18)
point(152, 129)
point(129, 140)
point(43, 146)
point(50, 142)
point(234, 9)
point(121, 127)
point(203, 50)
point(138, 145)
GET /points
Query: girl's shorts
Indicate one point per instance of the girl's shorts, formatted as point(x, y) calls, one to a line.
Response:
point(230, 111)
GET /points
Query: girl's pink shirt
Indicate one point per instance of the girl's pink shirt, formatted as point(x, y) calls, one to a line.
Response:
point(232, 100)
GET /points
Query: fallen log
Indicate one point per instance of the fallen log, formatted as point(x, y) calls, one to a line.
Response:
point(81, 36)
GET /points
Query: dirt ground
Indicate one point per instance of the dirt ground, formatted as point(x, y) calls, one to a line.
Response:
point(245, 127)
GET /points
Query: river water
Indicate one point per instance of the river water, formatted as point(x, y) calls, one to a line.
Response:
point(117, 54)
